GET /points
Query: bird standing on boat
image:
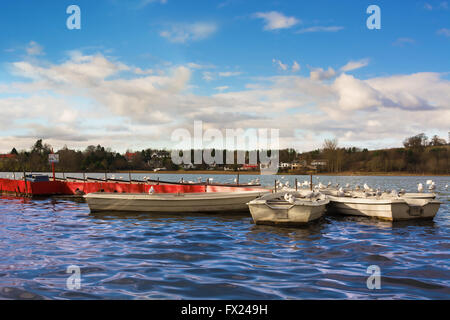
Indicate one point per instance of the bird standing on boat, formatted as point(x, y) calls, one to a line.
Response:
point(420, 187)
point(432, 186)
point(341, 192)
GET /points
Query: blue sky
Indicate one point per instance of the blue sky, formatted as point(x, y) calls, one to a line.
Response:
point(137, 70)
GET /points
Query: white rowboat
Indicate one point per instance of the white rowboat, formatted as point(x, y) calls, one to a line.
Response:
point(385, 208)
point(172, 202)
point(275, 209)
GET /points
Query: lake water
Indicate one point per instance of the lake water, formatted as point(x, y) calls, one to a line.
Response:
point(197, 256)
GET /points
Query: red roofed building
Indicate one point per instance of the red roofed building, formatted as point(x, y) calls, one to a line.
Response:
point(248, 167)
point(130, 156)
point(9, 156)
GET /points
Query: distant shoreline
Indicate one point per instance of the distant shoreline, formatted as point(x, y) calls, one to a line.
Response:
point(256, 173)
point(217, 172)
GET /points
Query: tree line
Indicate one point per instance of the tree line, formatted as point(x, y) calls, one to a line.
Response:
point(419, 154)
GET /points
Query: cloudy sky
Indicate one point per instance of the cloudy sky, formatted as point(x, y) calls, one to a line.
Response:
point(140, 69)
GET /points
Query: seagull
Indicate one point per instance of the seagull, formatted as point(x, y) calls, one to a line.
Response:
point(289, 198)
point(357, 188)
point(321, 186)
point(446, 186)
point(429, 182)
point(378, 193)
point(394, 193)
point(402, 191)
point(432, 186)
point(420, 187)
point(329, 184)
point(309, 194)
point(347, 185)
point(366, 187)
point(341, 192)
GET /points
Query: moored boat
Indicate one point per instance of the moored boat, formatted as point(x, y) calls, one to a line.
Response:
point(207, 202)
point(384, 207)
point(288, 208)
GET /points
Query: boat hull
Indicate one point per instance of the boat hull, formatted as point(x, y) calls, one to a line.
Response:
point(270, 209)
point(297, 215)
point(172, 203)
point(385, 209)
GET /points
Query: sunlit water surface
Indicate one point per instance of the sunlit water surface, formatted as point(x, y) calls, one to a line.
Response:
point(198, 256)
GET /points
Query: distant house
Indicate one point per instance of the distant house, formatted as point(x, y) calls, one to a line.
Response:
point(284, 165)
point(160, 154)
point(319, 163)
point(249, 167)
point(297, 165)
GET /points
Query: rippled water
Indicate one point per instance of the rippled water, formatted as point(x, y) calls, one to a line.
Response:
point(197, 256)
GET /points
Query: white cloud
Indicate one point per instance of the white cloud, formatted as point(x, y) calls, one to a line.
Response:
point(355, 94)
point(280, 64)
point(321, 74)
point(222, 88)
point(208, 76)
point(403, 41)
point(144, 3)
point(275, 20)
point(182, 33)
point(353, 65)
point(441, 6)
point(444, 32)
point(34, 49)
point(76, 101)
point(321, 29)
point(229, 74)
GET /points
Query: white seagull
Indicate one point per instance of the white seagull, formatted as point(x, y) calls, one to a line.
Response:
point(420, 187)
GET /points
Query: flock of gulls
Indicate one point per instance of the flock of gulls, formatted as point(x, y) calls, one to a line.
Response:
point(366, 189)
